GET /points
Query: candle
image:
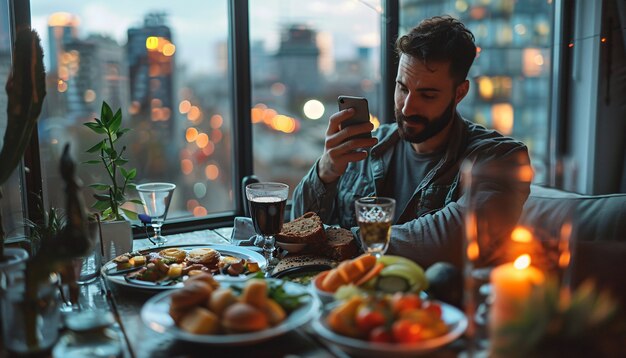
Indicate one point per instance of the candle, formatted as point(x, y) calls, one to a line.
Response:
point(512, 284)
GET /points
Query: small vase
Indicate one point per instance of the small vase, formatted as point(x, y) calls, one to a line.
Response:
point(30, 325)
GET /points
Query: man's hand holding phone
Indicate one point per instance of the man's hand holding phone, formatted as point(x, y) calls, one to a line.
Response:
point(348, 137)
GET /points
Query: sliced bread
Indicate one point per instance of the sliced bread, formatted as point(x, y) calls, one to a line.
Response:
point(340, 244)
point(307, 229)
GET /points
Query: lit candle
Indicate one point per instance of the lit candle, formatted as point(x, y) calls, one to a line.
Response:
point(511, 285)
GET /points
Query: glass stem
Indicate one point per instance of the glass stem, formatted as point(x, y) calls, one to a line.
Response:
point(157, 231)
point(268, 247)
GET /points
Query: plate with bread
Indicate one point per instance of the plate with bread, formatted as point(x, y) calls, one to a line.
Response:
point(308, 235)
point(166, 268)
point(223, 311)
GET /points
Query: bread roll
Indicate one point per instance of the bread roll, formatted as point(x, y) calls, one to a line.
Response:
point(193, 294)
point(173, 254)
point(275, 313)
point(255, 293)
point(202, 276)
point(242, 317)
point(221, 299)
point(200, 320)
point(205, 256)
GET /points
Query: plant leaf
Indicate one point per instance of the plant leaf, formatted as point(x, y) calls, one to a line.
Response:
point(116, 122)
point(124, 172)
point(93, 161)
point(121, 161)
point(102, 197)
point(101, 205)
point(97, 147)
point(130, 214)
point(136, 201)
point(122, 131)
point(99, 186)
point(132, 174)
point(96, 127)
point(106, 115)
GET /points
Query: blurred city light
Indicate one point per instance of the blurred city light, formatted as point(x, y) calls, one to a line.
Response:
point(313, 109)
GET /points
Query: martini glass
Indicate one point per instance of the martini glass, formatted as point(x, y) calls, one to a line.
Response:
point(156, 199)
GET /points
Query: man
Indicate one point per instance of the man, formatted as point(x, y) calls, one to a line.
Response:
point(416, 160)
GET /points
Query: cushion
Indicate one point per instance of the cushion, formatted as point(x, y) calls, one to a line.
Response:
point(593, 217)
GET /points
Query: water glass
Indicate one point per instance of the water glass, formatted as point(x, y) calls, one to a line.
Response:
point(88, 267)
point(375, 216)
point(156, 198)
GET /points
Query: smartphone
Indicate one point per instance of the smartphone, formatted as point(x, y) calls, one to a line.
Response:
point(361, 112)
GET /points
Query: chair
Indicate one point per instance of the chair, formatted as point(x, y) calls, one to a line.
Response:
point(249, 179)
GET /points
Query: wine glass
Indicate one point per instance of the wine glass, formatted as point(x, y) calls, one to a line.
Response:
point(375, 216)
point(156, 199)
point(267, 207)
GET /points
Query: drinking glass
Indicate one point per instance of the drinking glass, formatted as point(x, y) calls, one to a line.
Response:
point(375, 216)
point(267, 207)
point(156, 199)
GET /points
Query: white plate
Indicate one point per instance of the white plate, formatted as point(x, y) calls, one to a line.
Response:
point(236, 251)
point(452, 316)
point(291, 247)
point(154, 314)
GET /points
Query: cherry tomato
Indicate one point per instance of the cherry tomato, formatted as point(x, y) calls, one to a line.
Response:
point(368, 318)
point(432, 308)
point(380, 335)
point(405, 331)
point(405, 302)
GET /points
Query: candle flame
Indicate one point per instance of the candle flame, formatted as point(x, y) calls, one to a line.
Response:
point(522, 262)
point(564, 259)
point(473, 251)
point(521, 234)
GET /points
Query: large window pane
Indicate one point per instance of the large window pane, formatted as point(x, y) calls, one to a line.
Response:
point(303, 55)
point(11, 202)
point(510, 78)
point(165, 64)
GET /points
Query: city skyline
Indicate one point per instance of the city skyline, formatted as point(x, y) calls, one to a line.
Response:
point(197, 48)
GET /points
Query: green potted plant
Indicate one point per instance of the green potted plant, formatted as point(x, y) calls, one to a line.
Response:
point(25, 94)
point(113, 224)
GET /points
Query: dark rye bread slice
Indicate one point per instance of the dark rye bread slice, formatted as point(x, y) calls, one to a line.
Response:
point(301, 260)
point(307, 229)
point(340, 244)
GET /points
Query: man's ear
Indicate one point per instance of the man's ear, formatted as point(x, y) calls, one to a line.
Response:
point(461, 91)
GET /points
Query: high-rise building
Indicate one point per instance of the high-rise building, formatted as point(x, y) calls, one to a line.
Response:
point(151, 69)
point(100, 75)
point(62, 29)
point(297, 60)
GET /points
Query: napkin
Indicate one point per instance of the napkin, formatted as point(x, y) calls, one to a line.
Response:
point(243, 233)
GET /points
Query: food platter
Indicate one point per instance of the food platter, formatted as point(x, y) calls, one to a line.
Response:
point(155, 315)
point(119, 277)
point(452, 316)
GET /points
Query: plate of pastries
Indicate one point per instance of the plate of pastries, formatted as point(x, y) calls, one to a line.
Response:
point(225, 311)
point(167, 268)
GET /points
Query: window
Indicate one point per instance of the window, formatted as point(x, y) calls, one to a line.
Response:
point(165, 64)
point(11, 201)
point(510, 78)
point(303, 55)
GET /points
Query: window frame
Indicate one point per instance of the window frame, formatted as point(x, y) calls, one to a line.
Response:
point(241, 92)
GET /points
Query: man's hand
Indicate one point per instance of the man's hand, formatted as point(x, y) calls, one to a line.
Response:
point(338, 151)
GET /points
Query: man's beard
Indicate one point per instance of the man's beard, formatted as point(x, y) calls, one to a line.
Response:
point(430, 129)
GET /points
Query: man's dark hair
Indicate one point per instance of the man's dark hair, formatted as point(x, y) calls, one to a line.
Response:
point(441, 38)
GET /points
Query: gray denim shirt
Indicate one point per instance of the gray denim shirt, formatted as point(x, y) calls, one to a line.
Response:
point(431, 227)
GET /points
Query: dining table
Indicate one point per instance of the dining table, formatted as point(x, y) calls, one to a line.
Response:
point(138, 340)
